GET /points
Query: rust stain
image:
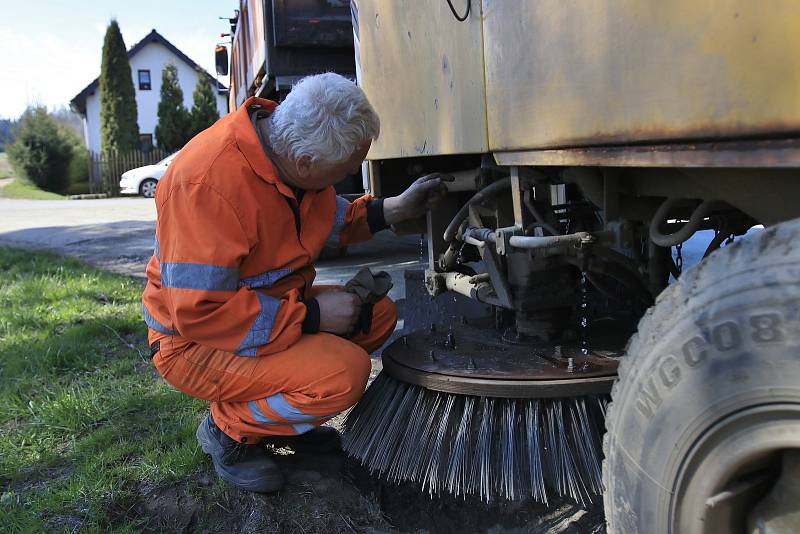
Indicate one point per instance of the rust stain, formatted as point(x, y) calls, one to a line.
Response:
point(692, 75)
point(735, 153)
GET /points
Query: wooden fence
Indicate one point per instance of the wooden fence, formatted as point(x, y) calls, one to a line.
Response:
point(105, 170)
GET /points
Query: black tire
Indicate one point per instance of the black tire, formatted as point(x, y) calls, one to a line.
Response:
point(708, 392)
point(148, 187)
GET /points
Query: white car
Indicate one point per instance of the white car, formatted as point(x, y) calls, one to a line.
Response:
point(143, 180)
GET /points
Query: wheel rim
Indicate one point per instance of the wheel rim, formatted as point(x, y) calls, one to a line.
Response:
point(149, 189)
point(731, 467)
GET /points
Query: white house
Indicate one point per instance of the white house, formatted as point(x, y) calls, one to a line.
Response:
point(147, 59)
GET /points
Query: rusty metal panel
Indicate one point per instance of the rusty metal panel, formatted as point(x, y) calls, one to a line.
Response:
point(566, 73)
point(423, 72)
point(752, 153)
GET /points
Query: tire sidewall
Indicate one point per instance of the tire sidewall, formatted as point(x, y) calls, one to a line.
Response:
point(724, 339)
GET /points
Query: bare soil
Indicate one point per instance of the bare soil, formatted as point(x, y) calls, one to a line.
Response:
point(332, 493)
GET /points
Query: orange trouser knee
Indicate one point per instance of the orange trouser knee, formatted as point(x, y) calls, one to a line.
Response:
point(284, 393)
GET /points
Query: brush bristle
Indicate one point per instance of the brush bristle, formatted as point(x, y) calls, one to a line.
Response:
point(490, 447)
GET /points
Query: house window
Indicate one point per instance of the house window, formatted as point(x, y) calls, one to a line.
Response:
point(146, 142)
point(144, 80)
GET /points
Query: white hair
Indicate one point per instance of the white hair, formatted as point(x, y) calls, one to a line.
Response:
point(325, 117)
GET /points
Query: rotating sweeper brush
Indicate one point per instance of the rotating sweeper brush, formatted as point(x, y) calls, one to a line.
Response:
point(464, 411)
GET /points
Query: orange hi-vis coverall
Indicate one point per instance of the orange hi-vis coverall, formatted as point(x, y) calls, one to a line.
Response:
point(229, 294)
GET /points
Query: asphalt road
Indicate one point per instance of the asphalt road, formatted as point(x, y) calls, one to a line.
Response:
point(117, 234)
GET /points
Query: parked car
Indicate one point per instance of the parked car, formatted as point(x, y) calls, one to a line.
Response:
point(143, 180)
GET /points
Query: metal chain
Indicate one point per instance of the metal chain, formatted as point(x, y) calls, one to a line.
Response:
point(679, 257)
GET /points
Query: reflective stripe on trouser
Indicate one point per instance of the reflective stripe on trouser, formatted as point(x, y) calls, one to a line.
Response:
point(284, 393)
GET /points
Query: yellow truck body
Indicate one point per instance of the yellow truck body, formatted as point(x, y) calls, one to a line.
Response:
point(529, 80)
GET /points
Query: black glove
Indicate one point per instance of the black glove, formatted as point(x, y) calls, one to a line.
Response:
point(370, 288)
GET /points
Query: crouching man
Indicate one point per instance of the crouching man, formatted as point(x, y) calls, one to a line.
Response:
point(233, 317)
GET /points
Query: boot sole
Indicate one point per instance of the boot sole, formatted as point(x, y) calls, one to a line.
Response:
point(267, 484)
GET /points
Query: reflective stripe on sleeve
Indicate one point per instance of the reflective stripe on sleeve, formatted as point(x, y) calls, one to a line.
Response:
point(265, 279)
point(154, 324)
point(262, 326)
point(338, 222)
point(199, 276)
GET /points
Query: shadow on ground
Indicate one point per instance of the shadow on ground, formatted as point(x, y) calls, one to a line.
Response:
point(125, 247)
point(332, 493)
point(122, 247)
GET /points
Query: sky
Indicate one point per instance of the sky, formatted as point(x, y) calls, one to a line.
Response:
point(51, 49)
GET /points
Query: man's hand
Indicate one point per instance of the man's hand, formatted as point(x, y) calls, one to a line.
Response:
point(420, 196)
point(338, 311)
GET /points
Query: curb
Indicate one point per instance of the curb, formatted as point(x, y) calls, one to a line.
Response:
point(87, 196)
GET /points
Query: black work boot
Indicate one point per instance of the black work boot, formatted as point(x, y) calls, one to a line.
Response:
point(317, 440)
point(248, 467)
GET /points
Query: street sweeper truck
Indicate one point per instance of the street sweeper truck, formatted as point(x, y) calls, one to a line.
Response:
point(592, 144)
point(589, 142)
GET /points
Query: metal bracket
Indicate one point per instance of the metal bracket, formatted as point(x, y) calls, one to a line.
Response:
point(492, 261)
point(503, 236)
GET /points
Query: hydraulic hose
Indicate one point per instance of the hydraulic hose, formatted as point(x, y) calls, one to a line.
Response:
point(476, 236)
point(550, 241)
point(695, 220)
point(485, 193)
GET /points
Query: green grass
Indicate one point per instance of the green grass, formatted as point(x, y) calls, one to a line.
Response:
point(84, 421)
point(5, 166)
point(20, 188)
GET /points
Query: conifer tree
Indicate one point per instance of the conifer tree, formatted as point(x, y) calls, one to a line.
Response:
point(42, 151)
point(119, 130)
point(172, 130)
point(204, 107)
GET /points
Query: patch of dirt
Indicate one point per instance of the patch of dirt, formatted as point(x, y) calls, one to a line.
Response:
point(319, 497)
point(332, 493)
point(38, 476)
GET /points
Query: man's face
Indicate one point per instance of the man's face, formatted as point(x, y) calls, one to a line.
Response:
point(317, 176)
